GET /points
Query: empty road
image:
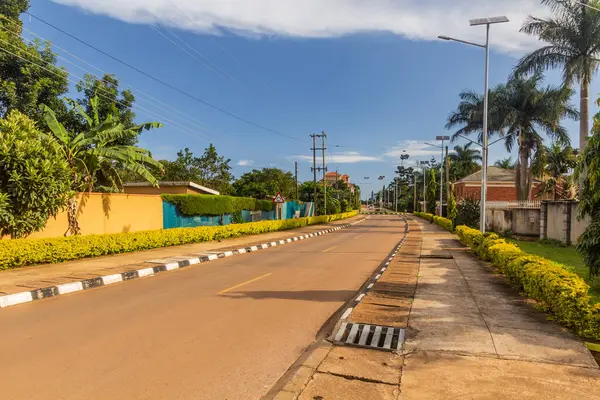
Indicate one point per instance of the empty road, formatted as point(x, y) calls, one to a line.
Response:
point(222, 330)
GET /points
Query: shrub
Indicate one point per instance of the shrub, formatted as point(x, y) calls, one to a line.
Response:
point(345, 206)
point(468, 212)
point(444, 223)
point(34, 176)
point(21, 252)
point(203, 204)
point(561, 293)
point(427, 216)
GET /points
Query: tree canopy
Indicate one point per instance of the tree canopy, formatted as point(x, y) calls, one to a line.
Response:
point(28, 72)
point(210, 169)
point(266, 182)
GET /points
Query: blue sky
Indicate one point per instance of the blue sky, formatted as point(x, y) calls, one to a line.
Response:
point(370, 74)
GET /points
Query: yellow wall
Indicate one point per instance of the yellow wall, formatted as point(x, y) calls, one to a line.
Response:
point(100, 213)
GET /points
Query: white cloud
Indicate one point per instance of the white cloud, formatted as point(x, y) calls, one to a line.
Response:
point(414, 148)
point(413, 19)
point(347, 157)
point(245, 163)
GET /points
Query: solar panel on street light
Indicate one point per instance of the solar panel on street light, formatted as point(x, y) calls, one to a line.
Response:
point(442, 138)
point(485, 21)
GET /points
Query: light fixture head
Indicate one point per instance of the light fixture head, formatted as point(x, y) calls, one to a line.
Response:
point(488, 21)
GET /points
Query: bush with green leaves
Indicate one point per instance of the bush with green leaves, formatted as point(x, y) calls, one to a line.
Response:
point(204, 204)
point(468, 212)
point(34, 177)
point(345, 206)
point(22, 252)
point(561, 293)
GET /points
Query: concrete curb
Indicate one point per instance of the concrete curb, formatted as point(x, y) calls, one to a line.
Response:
point(71, 287)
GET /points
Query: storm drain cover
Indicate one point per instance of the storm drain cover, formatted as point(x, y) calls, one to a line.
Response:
point(370, 336)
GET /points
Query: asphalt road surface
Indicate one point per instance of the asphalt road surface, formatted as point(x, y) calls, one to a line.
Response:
point(228, 329)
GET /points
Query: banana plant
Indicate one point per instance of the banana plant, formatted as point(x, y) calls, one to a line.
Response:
point(94, 152)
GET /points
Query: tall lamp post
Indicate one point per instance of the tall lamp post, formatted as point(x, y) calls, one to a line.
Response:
point(442, 138)
point(487, 22)
point(424, 166)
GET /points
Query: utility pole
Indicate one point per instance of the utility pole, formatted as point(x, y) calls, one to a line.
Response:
point(315, 168)
point(447, 179)
point(323, 136)
point(415, 190)
point(296, 175)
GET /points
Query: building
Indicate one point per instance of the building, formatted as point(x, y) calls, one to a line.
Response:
point(501, 186)
point(332, 177)
point(167, 187)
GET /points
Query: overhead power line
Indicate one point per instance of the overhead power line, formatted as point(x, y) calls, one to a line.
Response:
point(180, 127)
point(193, 121)
point(166, 84)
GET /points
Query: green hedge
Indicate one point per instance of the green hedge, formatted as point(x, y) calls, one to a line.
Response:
point(204, 204)
point(441, 221)
point(22, 252)
point(559, 292)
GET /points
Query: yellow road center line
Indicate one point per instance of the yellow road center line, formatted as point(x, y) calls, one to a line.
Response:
point(244, 283)
point(331, 248)
point(357, 236)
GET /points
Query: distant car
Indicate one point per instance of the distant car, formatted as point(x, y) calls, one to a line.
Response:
point(371, 208)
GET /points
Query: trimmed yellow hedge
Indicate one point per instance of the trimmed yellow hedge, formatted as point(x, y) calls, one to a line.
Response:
point(427, 216)
point(559, 292)
point(441, 221)
point(22, 252)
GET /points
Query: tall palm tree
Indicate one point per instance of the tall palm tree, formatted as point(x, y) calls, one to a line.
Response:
point(463, 161)
point(520, 111)
point(572, 35)
point(93, 153)
point(505, 163)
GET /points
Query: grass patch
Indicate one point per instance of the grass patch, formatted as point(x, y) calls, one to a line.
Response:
point(565, 255)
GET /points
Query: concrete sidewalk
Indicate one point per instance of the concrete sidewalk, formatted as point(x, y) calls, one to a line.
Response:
point(469, 335)
point(31, 278)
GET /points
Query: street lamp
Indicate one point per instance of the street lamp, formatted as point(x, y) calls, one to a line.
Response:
point(487, 22)
point(423, 165)
point(442, 138)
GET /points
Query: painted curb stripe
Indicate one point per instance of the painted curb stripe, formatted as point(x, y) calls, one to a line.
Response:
point(71, 287)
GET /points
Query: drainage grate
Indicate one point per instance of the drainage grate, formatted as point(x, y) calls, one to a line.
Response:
point(370, 336)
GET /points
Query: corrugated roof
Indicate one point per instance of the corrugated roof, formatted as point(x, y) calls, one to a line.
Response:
point(494, 174)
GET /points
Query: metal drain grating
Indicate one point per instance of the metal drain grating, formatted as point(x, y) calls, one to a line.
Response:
point(370, 336)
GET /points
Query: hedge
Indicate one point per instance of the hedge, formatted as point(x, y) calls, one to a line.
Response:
point(22, 252)
point(441, 221)
point(204, 204)
point(561, 293)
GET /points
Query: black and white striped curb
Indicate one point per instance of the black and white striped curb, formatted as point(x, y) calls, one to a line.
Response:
point(375, 278)
point(169, 264)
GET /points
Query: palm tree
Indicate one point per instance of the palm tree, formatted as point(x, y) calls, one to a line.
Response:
point(505, 163)
point(463, 161)
point(573, 37)
point(519, 112)
point(93, 154)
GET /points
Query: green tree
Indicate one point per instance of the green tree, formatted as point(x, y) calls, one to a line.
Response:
point(28, 72)
point(432, 190)
point(111, 101)
point(34, 177)
point(210, 169)
point(95, 152)
point(521, 111)
point(452, 211)
point(572, 43)
point(588, 175)
point(551, 165)
point(463, 162)
point(505, 163)
point(266, 182)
